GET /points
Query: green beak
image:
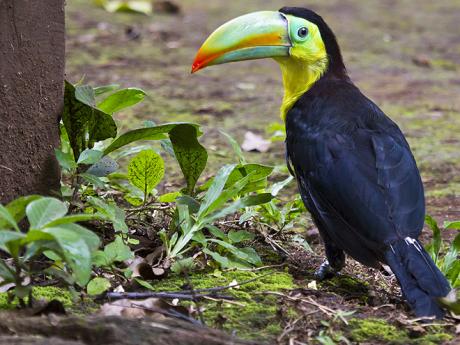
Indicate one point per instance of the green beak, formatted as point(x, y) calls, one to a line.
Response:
point(255, 35)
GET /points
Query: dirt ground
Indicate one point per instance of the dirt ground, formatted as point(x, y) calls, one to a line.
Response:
point(405, 55)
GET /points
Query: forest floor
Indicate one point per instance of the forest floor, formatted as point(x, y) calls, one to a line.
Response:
point(404, 55)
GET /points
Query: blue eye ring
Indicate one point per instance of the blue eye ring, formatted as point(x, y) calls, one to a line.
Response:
point(302, 32)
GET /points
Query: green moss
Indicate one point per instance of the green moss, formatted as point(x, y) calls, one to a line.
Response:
point(348, 285)
point(47, 293)
point(254, 315)
point(377, 330)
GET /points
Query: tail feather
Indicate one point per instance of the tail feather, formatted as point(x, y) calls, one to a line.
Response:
point(421, 281)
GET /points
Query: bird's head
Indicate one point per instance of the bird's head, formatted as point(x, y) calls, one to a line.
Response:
point(297, 38)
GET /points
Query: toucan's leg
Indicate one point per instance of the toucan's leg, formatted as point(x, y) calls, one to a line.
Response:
point(335, 261)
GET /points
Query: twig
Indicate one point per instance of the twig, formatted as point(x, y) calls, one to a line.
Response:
point(170, 313)
point(183, 294)
point(150, 294)
point(257, 268)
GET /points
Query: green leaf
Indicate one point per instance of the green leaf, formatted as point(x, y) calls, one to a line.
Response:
point(150, 133)
point(435, 246)
point(278, 186)
point(17, 207)
point(247, 254)
point(169, 197)
point(258, 180)
point(100, 90)
point(247, 201)
point(7, 218)
point(45, 210)
point(184, 265)
point(103, 167)
point(97, 285)
point(117, 251)
point(215, 231)
point(146, 170)
point(65, 160)
point(85, 94)
point(216, 187)
point(89, 156)
point(190, 154)
point(93, 179)
point(236, 147)
point(6, 239)
point(111, 212)
point(6, 273)
point(76, 252)
point(240, 236)
point(121, 99)
point(73, 218)
point(83, 123)
point(145, 284)
point(452, 225)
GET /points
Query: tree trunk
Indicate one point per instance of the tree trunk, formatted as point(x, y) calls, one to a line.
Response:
point(32, 47)
point(97, 330)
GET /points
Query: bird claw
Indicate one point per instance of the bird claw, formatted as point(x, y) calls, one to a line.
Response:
point(325, 271)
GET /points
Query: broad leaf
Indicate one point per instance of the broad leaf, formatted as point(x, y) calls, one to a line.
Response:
point(17, 207)
point(7, 218)
point(76, 252)
point(117, 251)
point(97, 285)
point(89, 156)
point(452, 225)
point(65, 160)
point(103, 167)
point(190, 154)
point(45, 210)
point(112, 213)
point(121, 99)
point(240, 236)
point(146, 170)
point(150, 133)
point(100, 90)
point(85, 124)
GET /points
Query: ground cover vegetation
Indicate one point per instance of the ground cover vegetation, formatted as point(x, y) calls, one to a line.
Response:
point(158, 211)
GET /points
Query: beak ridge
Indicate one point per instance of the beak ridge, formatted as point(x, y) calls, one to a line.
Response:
point(252, 36)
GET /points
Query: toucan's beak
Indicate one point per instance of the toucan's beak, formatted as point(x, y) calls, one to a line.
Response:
point(255, 35)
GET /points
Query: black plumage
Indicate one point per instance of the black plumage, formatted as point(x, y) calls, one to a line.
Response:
point(359, 180)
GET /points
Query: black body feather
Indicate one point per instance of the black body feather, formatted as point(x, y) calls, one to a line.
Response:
point(359, 180)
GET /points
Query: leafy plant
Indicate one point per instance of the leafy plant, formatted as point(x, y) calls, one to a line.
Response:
point(223, 197)
point(52, 232)
point(445, 255)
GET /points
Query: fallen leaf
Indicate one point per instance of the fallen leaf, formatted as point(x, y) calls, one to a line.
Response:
point(154, 308)
point(254, 142)
point(312, 285)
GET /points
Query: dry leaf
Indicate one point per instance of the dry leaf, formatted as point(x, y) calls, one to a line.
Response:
point(254, 142)
point(154, 308)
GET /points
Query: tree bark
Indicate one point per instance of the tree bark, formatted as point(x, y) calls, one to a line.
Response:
point(32, 48)
point(114, 330)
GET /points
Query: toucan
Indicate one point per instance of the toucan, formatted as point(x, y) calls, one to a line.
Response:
point(354, 168)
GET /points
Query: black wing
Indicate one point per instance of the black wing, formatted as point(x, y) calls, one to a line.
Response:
point(361, 183)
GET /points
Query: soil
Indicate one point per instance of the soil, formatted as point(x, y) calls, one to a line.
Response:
point(31, 70)
point(405, 55)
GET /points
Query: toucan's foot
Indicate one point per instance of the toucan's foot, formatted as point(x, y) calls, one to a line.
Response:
point(325, 271)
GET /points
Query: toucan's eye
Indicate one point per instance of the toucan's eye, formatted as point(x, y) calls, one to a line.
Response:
point(303, 32)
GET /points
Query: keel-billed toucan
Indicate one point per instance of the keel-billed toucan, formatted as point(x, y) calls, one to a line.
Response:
point(354, 168)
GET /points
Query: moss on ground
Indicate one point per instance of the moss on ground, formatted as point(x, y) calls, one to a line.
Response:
point(347, 285)
point(46, 293)
point(380, 331)
point(254, 315)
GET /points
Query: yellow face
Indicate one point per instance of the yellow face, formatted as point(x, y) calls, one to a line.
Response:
point(306, 63)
